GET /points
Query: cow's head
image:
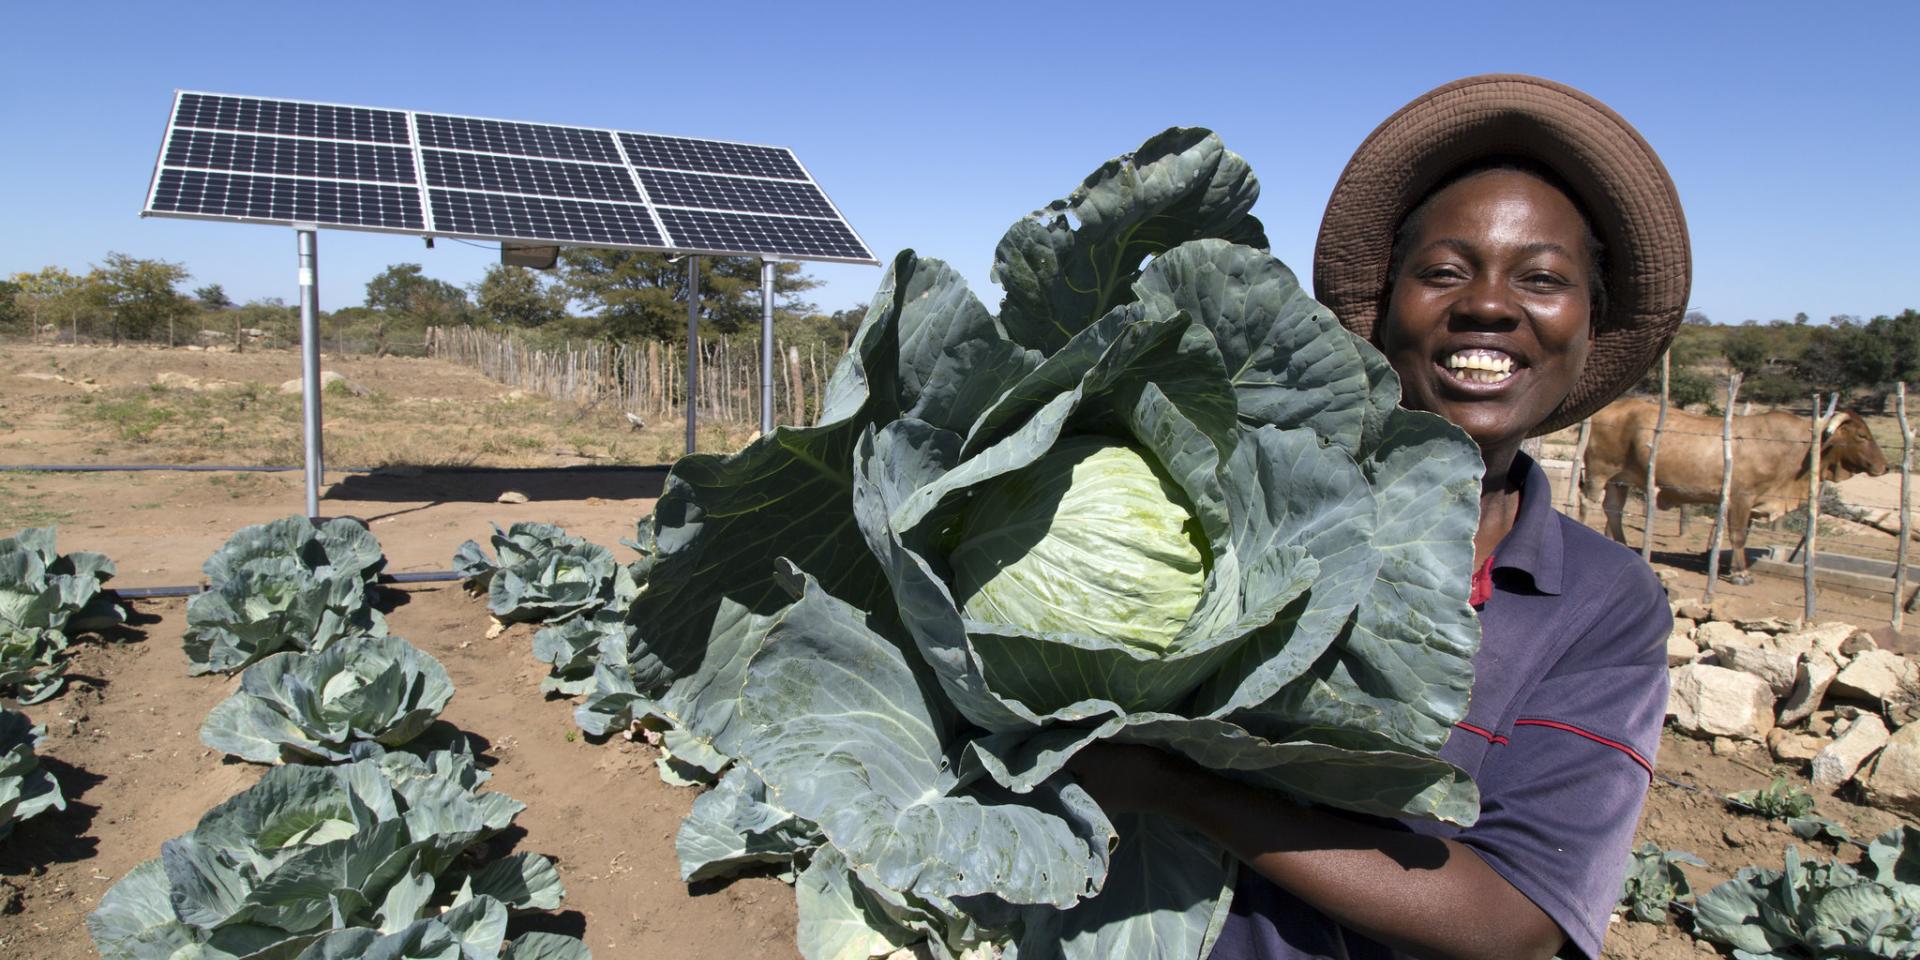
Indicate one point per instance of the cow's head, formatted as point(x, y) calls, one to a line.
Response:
point(1849, 448)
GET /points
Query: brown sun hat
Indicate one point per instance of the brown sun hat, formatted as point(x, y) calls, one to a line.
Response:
point(1615, 176)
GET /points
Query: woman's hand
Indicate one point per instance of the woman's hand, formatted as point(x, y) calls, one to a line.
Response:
point(1129, 778)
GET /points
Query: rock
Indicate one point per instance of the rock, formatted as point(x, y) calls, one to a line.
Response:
point(1709, 701)
point(1681, 650)
point(1692, 610)
point(181, 381)
point(1766, 625)
point(1776, 668)
point(1812, 676)
point(1683, 626)
point(327, 379)
point(1836, 762)
point(1827, 637)
point(511, 496)
point(1873, 675)
point(1860, 642)
point(1894, 781)
point(1791, 747)
point(1711, 635)
point(1725, 747)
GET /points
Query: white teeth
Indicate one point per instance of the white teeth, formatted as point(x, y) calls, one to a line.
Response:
point(1480, 366)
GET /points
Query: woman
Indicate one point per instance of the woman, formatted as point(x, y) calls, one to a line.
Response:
point(1518, 253)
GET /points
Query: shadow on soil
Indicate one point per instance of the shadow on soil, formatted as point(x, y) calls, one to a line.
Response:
point(56, 836)
point(477, 485)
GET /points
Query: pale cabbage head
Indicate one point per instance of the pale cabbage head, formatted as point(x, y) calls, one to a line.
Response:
point(1092, 539)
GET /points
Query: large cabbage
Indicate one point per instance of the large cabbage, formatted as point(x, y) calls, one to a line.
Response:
point(1092, 539)
point(1162, 497)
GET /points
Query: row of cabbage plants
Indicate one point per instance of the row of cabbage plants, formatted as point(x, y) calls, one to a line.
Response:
point(1869, 910)
point(368, 837)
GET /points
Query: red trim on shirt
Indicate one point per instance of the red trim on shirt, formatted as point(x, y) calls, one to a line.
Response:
point(1482, 583)
point(1487, 735)
point(1596, 738)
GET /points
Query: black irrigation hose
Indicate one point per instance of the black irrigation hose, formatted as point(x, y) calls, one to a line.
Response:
point(210, 468)
point(143, 467)
point(154, 593)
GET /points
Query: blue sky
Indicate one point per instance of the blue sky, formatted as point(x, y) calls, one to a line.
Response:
point(1791, 129)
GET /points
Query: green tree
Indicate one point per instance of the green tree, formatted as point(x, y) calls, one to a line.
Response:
point(53, 297)
point(518, 297)
point(213, 296)
point(13, 316)
point(403, 289)
point(141, 297)
point(638, 293)
point(1747, 350)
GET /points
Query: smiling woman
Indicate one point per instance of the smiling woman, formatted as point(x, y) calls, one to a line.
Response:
point(1518, 254)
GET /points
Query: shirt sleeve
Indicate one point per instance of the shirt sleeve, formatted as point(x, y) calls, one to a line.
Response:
point(1560, 799)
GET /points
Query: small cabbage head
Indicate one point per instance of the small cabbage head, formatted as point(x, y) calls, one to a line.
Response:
point(1093, 539)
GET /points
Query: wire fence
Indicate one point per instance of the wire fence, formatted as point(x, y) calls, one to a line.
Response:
point(1861, 525)
point(647, 378)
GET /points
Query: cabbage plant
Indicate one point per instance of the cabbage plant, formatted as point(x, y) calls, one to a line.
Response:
point(289, 584)
point(313, 707)
point(46, 597)
point(26, 788)
point(1655, 882)
point(374, 844)
point(1821, 909)
point(1162, 497)
point(541, 573)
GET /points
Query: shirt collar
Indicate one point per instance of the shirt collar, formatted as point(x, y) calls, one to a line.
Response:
point(1534, 546)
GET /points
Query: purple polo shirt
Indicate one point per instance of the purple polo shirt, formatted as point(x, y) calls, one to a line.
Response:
point(1569, 695)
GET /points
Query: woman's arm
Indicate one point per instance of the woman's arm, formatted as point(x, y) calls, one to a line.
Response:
point(1421, 895)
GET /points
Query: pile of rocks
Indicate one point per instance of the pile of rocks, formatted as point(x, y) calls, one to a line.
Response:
point(1825, 695)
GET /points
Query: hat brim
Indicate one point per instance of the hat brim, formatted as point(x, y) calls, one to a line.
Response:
point(1615, 176)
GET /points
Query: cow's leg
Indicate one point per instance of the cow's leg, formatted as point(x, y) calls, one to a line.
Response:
point(1615, 506)
point(1739, 514)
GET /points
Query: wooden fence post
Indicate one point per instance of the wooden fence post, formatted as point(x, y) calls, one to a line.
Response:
point(1726, 490)
point(1813, 514)
point(1906, 504)
point(1653, 456)
point(1579, 464)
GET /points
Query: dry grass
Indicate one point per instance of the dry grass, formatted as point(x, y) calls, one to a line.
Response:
point(416, 412)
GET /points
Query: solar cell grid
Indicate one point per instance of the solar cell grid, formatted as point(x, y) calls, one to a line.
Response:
point(278, 198)
point(745, 194)
point(283, 161)
point(747, 233)
point(446, 168)
point(543, 218)
point(710, 156)
point(251, 115)
point(214, 150)
point(519, 139)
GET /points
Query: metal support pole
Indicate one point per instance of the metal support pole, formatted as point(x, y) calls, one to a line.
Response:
point(310, 364)
point(766, 347)
point(693, 351)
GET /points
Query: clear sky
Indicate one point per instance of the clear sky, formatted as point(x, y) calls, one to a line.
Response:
point(1791, 128)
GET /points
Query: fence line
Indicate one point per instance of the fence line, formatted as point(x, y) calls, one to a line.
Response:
point(646, 378)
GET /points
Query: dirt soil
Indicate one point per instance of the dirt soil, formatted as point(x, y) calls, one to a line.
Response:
point(123, 739)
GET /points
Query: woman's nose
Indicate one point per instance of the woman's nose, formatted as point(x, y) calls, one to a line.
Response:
point(1486, 300)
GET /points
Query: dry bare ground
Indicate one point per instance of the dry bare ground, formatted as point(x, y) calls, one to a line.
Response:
point(123, 737)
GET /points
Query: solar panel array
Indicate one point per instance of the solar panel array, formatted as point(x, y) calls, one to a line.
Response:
point(281, 161)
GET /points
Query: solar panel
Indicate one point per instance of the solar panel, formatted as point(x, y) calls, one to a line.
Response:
point(284, 161)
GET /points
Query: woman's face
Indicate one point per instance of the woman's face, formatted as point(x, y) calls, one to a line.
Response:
point(1488, 322)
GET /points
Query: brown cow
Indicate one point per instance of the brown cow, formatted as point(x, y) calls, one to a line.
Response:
point(1770, 458)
